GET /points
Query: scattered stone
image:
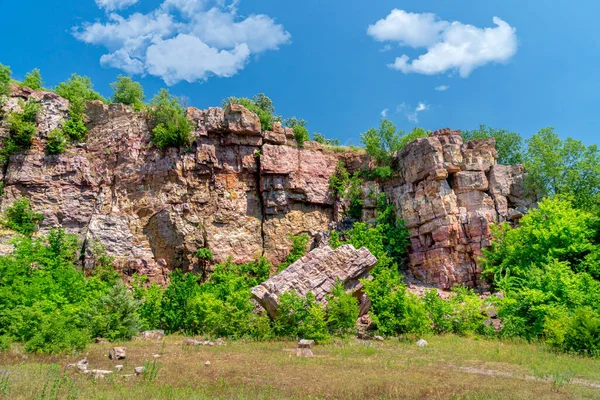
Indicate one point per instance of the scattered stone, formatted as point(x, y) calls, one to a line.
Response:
point(317, 272)
point(491, 312)
point(101, 340)
point(81, 365)
point(98, 373)
point(422, 343)
point(157, 334)
point(156, 355)
point(117, 353)
point(207, 364)
point(378, 338)
point(305, 348)
point(496, 323)
point(306, 344)
point(220, 342)
point(139, 370)
point(119, 367)
point(191, 342)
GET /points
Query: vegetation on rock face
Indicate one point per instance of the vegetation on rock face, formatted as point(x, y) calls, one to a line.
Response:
point(22, 127)
point(508, 144)
point(126, 91)
point(78, 89)
point(57, 142)
point(172, 128)
point(300, 132)
point(33, 80)
point(260, 105)
point(21, 218)
point(5, 74)
point(299, 248)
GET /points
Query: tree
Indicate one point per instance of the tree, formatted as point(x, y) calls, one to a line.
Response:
point(566, 168)
point(300, 132)
point(5, 74)
point(260, 105)
point(33, 80)
point(508, 144)
point(382, 143)
point(78, 89)
point(128, 92)
point(172, 127)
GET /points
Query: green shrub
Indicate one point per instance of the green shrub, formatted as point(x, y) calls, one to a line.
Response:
point(57, 142)
point(171, 126)
point(150, 298)
point(5, 76)
point(340, 179)
point(75, 129)
point(301, 317)
point(439, 311)
point(204, 254)
point(33, 80)
point(78, 89)
point(342, 311)
point(299, 248)
point(114, 315)
point(175, 299)
point(128, 92)
point(555, 230)
point(21, 218)
point(260, 105)
point(583, 332)
point(298, 125)
point(56, 334)
point(319, 138)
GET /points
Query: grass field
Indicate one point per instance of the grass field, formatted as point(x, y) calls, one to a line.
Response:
point(449, 368)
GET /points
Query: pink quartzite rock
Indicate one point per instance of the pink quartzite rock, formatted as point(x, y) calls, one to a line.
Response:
point(317, 272)
point(239, 120)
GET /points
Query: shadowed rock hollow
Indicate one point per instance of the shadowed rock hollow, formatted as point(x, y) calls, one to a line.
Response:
point(241, 191)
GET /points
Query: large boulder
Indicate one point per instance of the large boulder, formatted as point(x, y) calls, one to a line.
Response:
point(317, 272)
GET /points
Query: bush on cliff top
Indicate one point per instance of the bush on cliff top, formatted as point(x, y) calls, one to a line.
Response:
point(126, 91)
point(261, 105)
point(33, 80)
point(171, 126)
point(5, 75)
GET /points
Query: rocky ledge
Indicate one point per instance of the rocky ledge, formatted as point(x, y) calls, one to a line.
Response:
point(241, 191)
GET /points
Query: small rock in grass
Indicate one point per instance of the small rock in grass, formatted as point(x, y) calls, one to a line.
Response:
point(119, 367)
point(117, 353)
point(99, 373)
point(379, 338)
point(207, 364)
point(304, 352)
point(306, 344)
point(220, 342)
point(422, 343)
point(152, 335)
point(139, 370)
point(101, 340)
point(156, 355)
point(191, 342)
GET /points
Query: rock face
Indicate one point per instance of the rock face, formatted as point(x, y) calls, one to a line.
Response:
point(241, 192)
point(449, 193)
point(317, 272)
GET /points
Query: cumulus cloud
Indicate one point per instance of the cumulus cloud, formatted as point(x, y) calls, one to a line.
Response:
point(451, 46)
point(184, 40)
point(442, 88)
point(410, 112)
point(112, 5)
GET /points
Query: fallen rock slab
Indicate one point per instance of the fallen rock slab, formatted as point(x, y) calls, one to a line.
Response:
point(317, 272)
point(157, 334)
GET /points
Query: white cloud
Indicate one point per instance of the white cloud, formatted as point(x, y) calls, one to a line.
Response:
point(450, 46)
point(186, 57)
point(414, 30)
point(384, 113)
point(442, 88)
point(412, 113)
point(187, 40)
point(112, 5)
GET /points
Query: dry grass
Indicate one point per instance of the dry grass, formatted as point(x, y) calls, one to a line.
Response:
point(449, 368)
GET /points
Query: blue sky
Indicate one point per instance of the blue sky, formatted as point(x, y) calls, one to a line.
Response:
point(535, 66)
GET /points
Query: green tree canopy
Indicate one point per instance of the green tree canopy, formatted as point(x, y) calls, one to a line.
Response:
point(77, 89)
point(563, 167)
point(5, 74)
point(33, 79)
point(508, 144)
point(172, 127)
point(127, 91)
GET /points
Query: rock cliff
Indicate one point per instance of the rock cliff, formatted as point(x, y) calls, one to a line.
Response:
point(241, 191)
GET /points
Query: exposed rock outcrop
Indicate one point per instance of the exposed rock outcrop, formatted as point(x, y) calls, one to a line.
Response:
point(449, 193)
point(317, 272)
point(241, 191)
